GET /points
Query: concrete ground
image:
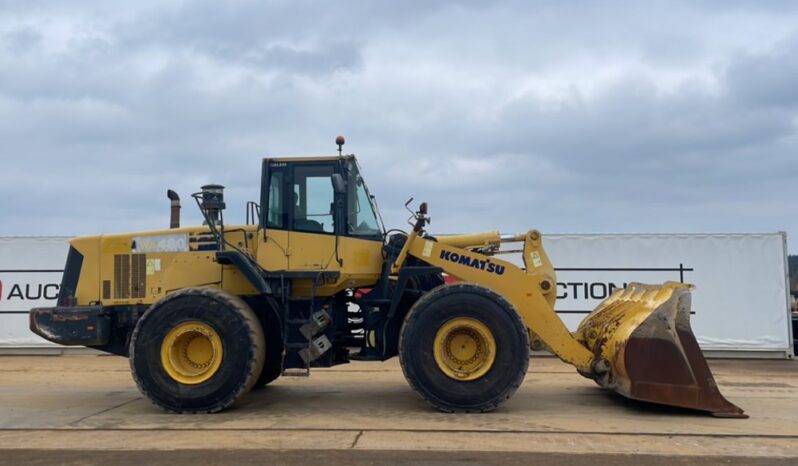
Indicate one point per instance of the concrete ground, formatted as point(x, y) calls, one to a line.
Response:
point(86, 409)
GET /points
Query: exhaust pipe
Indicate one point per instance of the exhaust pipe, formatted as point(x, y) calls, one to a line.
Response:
point(174, 215)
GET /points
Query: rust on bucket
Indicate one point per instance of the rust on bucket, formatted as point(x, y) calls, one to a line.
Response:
point(645, 349)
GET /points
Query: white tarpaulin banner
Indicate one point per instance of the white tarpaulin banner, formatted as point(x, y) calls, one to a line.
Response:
point(741, 300)
point(740, 303)
point(30, 272)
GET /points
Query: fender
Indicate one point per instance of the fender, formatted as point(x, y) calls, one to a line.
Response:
point(255, 277)
point(246, 267)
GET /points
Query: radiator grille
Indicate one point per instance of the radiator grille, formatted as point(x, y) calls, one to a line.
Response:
point(121, 276)
point(138, 276)
point(130, 276)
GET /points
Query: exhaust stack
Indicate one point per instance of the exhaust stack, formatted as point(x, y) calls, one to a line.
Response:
point(174, 214)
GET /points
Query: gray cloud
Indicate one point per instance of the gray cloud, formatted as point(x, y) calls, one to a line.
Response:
point(584, 117)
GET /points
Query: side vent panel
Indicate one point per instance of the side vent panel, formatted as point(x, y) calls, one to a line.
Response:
point(130, 276)
point(138, 276)
point(106, 289)
point(121, 276)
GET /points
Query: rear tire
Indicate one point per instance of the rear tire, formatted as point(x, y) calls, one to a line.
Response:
point(267, 376)
point(477, 316)
point(160, 358)
point(273, 366)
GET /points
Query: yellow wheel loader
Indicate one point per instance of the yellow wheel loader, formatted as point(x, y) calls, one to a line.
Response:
point(207, 313)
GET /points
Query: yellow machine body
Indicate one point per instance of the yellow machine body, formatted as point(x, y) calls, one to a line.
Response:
point(114, 272)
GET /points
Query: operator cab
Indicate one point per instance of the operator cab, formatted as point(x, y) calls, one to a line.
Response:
point(321, 195)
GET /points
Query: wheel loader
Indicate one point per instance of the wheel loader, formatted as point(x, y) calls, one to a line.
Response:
point(313, 279)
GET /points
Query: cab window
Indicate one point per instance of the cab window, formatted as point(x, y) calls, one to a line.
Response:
point(275, 212)
point(362, 220)
point(313, 199)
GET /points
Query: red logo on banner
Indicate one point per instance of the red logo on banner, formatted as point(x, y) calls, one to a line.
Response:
point(1, 290)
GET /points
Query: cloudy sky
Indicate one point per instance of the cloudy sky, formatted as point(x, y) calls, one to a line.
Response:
point(587, 117)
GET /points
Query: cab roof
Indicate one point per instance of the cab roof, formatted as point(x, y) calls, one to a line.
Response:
point(321, 158)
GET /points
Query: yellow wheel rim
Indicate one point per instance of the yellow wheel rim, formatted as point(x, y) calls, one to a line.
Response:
point(191, 353)
point(464, 349)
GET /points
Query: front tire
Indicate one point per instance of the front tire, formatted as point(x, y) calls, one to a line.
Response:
point(464, 348)
point(198, 350)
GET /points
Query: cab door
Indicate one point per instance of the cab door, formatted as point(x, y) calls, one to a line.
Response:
point(273, 248)
point(313, 217)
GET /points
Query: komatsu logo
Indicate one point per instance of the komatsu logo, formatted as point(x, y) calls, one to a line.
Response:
point(481, 264)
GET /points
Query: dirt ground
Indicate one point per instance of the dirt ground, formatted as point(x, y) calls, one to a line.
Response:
point(86, 409)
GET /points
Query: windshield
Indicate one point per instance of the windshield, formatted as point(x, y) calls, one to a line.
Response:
point(362, 210)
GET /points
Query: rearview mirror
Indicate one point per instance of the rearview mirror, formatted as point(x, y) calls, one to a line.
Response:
point(339, 184)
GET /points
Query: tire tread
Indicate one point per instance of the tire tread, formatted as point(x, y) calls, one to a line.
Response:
point(254, 367)
point(414, 315)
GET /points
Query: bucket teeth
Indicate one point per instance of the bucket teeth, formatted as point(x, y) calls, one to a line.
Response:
point(645, 349)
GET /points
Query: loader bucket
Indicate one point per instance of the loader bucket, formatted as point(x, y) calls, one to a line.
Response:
point(645, 349)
